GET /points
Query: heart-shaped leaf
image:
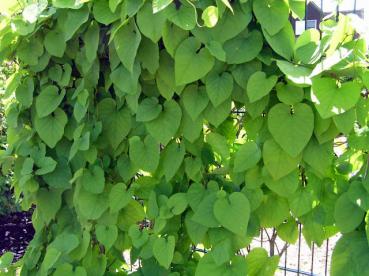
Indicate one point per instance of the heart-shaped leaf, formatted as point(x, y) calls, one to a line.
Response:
point(51, 128)
point(119, 197)
point(245, 48)
point(106, 234)
point(246, 157)
point(93, 179)
point(291, 127)
point(116, 122)
point(191, 62)
point(277, 161)
point(272, 14)
point(259, 85)
point(126, 42)
point(227, 211)
point(48, 100)
point(55, 43)
point(331, 100)
point(219, 87)
point(151, 23)
point(144, 155)
point(289, 94)
point(148, 110)
point(163, 250)
point(217, 115)
point(171, 159)
point(194, 100)
point(165, 126)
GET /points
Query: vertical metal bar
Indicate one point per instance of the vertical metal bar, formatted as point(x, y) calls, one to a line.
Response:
point(321, 17)
point(354, 6)
point(326, 258)
point(261, 238)
point(312, 259)
point(337, 12)
point(306, 8)
point(299, 252)
point(285, 262)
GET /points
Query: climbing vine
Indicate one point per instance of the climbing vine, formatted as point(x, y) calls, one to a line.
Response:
point(173, 131)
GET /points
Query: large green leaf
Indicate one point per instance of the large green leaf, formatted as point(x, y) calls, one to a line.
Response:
point(259, 85)
point(119, 197)
point(259, 263)
point(48, 100)
point(171, 159)
point(331, 99)
point(247, 156)
point(243, 48)
point(51, 128)
point(291, 127)
point(277, 161)
point(102, 12)
point(163, 250)
point(347, 215)
point(350, 255)
point(54, 43)
point(219, 87)
point(191, 63)
point(283, 42)
point(144, 154)
point(116, 122)
point(151, 24)
point(126, 42)
point(194, 100)
point(165, 126)
point(272, 14)
point(227, 210)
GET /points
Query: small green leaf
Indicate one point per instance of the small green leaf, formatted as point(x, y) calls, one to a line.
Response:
point(151, 24)
point(291, 127)
point(191, 63)
point(144, 155)
point(102, 12)
point(107, 235)
point(93, 179)
point(247, 156)
point(171, 159)
point(163, 250)
point(210, 16)
point(219, 87)
point(258, 263)
point(48, 100)
point(165, 126)
point(289, 94)
point(54, 43)
point(194, 100)
point(271, 14)
point(51, 128)
point(119, 197)
point(244, 48)
point(259, 85)
point(330, 99)
point(126, 42)
point(227, 210)
point(273, 155)
point(91, 40)
point(148, 110)
point(347, 215)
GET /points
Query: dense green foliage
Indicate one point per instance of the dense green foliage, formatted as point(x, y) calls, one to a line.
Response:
point(125, 130)
point(7, 201)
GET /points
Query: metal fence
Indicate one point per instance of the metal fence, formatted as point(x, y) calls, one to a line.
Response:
point(297, 259)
